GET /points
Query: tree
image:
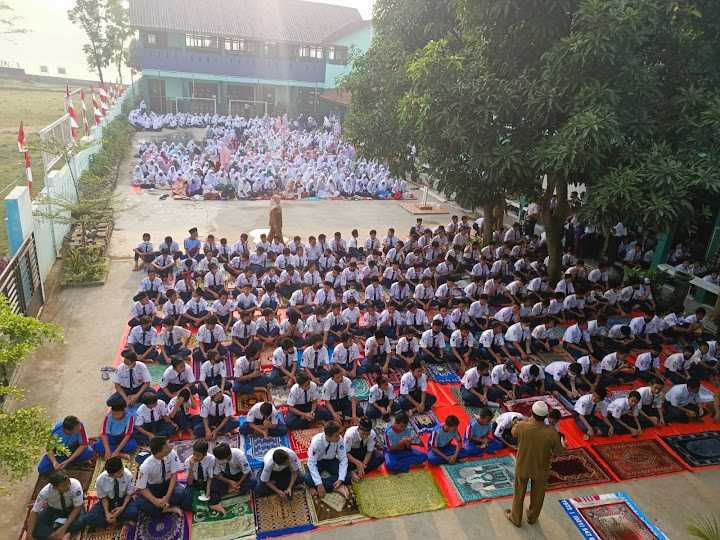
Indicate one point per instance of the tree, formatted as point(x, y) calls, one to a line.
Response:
point(9, 22)
point(24, 432)
point(90, 16)
point(118, 33)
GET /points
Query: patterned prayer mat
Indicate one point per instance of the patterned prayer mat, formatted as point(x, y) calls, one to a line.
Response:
point(575, 467)
point(697, 449)
point(556, 332)
point(300, 440)
point(361, 388)
point(635, 459)
point(130, 464)
point(238, 521)
point(442, 373)
point(424, 422)
point(83, 472)
point(333, 508)
point(233, 441)
point(611, 516)
point(392, 376)
point(398, 495)
point(116, 532)
point(279, 395)
point(256, 447)
point(183, 449)
point(156, 373)
point(547, 358)
point(165, 527)
point(274, 517)
point(482, 479)
point(470, 410)
point(244, 403)
point(524, 405)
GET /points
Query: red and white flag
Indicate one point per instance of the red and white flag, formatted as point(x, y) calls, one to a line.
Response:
point(71, 112)
point(86, 125)
point(22, 147)
point(96, 108)
point(104, 105)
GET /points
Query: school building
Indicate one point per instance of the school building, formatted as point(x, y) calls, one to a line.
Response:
point(245, 57)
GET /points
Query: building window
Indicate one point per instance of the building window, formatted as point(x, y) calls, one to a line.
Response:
point(43, 69)
point(271, 49)
point(152, 39)
point(62, 71)
point(304, 52)
point(236, 45)
point(201, 42)
point(337, 55)
point(316, 52)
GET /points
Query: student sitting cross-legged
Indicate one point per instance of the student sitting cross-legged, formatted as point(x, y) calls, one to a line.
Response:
point(71, 433)
point(114, 489)
point(303, 404)
point(327, 454)
point(58, 508)
point(442, 449)
point(281, 473)
point(116, 434)
point(178, 411)
point(262, 421)
point(157, 481)
point(591, 414)
point(152, 419)
point(479, 437)
point(200, 467)
point(232, 473)
point(381, 401)
point(216, 413)
point(414, 396)
point(399, 452)
point(361, 447)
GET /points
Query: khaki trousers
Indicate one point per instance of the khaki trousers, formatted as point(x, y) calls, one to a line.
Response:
point(537, 497)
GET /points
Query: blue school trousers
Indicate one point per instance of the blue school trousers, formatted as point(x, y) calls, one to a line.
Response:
point(360, 453)
point(449, 450)
point(96, 516)
point(113, 442)
point(281, 479)
point(231, 425)
point(332, 469)
point(278, 430)
point(471, 449)
point(405, 405)
point(45, 524)
point(247, 388)
point(400, 461)
point(159, 490)
point(45, 466)
point(219, 489)
point(294, 421)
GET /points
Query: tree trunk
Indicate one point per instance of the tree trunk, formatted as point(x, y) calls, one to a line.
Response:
point(554, 211)
point(487, 229)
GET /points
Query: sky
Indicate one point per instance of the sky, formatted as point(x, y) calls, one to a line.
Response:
point(56, 43)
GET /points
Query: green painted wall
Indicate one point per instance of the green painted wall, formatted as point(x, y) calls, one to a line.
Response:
point(360, 39)
point(174, 88)
point(175, 40)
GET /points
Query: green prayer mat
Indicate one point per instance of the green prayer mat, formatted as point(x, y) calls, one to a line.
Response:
point(361, 388)
point(333, 509)
point(238, 521)
point(482, 479)
point(398, 495)
point(470, 410)
point(156, 373)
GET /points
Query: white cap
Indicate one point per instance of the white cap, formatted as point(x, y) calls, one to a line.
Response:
point(540, 408)
point(216, 390)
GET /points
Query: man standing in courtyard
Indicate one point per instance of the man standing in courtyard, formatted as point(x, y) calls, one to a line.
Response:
point(536, 444)
point(275, 219)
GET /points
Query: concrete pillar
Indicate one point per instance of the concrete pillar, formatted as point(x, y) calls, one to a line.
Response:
point(18, 217)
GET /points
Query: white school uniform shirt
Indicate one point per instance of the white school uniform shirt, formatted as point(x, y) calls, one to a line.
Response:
point(680, 396)
point(565, 287)
point(315, 325)
point(408, 383)
point(351, 315)
point(143, 337)
point(371, 345)
point(216, 279)
point(395, 320)
point(151, 470)
point(353, 440)
point(516, 333)
point(377, 393)
point(479, 310)
point(175, 308)
point(585, 404)
point(196, 306)
point(299, 298)
point(609, 362)
point(586, 365)
point(540, 332)
point(208, 369)
point(504, 315)
point(105, 485)
point(505, 422)
point(152, 286)
point(298, 396)
point(242, 330)
point(419, 318)
point(178, 334)
point(526, 377)
point(374, 293)
point(429, 340)
point(647, 397)
point(558, 369)
point(646, 361)
point(139, 309)
point(211, 408)
point(50, 497)
point(575, 335)
point(221, 309)
point(207, 464)
point(254, 414)
point(572, 302)
point(269, 466)
point(315, 358)
point(489, 338)
point(500, 373)
point(596, 276)
point(621, 406)
point(237, 463)
point(595, 330)
point(675, 362)
point(140, 375)
point(243, 366)
point(472, 378)
point(333, 390)
point(407, 346)
point(423, 292)
point(148, 415)
point(457, 340)
point(282, 359)
point(342, 355)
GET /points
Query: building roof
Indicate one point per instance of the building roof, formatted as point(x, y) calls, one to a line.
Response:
point(339, 97)
point(349, 28)
point(295, 21)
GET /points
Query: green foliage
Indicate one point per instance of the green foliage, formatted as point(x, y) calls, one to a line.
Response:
point(705, 528)
point(9, 22)
point(82, 265)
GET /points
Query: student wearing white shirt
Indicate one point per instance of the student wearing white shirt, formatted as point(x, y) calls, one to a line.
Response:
point(591, 414)
point(213, 372)
point(242, 334)
point(474, 385)
point(479, 313)
point(284, 363)
point(414, 396)
point(703, 365)
point(315, 360)
point(303, 404)
point(152, 286)
point(200, 468)
point(492, 344)
point(503, 382)
point(381, 400)
point(518, 338)
point(196, 310)
point(263, 420)
point(173, 341)
point(503, 427)
point(677, 365)
point(231, 474)
point(216, 413)
point(248, 373)
point(576, 339)
point(281, 473)
point(131, 379)
point(142, 341)
point(379, 355)
point(62, 498)
point(157, 481)
point(624, 414)
point(337, 325)
point(682, 403)
point(647, 364)
point(532, 380)
point(614, 369)
point(345, 356)
point(339, 396)
point(565, 377)
point(432, 343)
point(408, 347)
point(462, 342)
point(177, 376)
point(143, 307)
point(327, 454)
point(361, 447)
point(114, 489)
point(541, 340)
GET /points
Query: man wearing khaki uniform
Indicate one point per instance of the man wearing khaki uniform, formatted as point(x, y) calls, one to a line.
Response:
point(536, 444)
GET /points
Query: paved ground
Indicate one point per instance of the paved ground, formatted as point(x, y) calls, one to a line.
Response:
point(65, 379)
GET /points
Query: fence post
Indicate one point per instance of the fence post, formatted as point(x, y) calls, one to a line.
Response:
point(18, 212)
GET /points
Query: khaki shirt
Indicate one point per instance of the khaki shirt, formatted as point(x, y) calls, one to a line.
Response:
point(536, 445)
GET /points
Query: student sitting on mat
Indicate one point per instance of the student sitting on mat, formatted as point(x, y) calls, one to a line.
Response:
point(503, 382)
point(442, 450)
point(58, 508)
point(345, 356)
point(216, 413)
point(303, 404)
point(157, 481)
point(647, 364)
point(591, 414)
point(503, 428)
point(177, 376)
point(232, 474)
point(339, 397)
point(281, 474)
point(624, 415)
point(116, 435)
point(532, 380)
point(677, 364)
point(213, 372)
point(248, 372)
point(474, 385)
point(381, 400)
point(284, 364)
point(328, 462)
point(152, 419)
point(414, 396)
point(114, 489)
point(651, 402)
point(479, 437)
point(399, 452)
point(200, 467)
point(361, 447)
point(315, 360)
point(262, 421)
point(71, 433)
point(682, 403)
point(179, 411)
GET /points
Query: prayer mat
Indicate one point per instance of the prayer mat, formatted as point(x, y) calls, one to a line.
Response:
point(575, 467)
point(697, 449)
point(238, 521)
point(279, 395)
point(379, 428)
point(300, 440)
point(244, 403)
point(333, 508)
point(256, 447)
point(233, 441)
point(635, 459)
point(442, 373)
point(156, 373)
point(611, 516)
point(164, 527)
point(547, 358)
point(424, 422)
point(393, 377)
point(398, 494)
point(524, 405)
point(83, 472)
point(274, 517)
point(469, 409)
point(557, 332)
point(115, 532)
point(183, 449)
point(361, 388)
point(482, 479)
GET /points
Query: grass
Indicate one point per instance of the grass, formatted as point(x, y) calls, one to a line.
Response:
point(36, 105)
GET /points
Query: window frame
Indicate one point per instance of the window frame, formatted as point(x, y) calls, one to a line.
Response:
point(206, 42)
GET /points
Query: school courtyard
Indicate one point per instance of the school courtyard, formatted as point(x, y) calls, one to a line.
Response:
point(66, 378)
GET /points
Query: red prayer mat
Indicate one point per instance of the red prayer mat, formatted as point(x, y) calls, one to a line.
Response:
point(524, 405)
point(616, 521)
point(575, 467)
point(635, 459)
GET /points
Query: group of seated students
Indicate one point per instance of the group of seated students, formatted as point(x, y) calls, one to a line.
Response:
point(330, 311)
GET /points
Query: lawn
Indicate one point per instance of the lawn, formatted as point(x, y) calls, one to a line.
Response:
point(37, 105)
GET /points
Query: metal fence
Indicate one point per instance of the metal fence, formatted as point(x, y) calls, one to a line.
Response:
point(20, 281)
